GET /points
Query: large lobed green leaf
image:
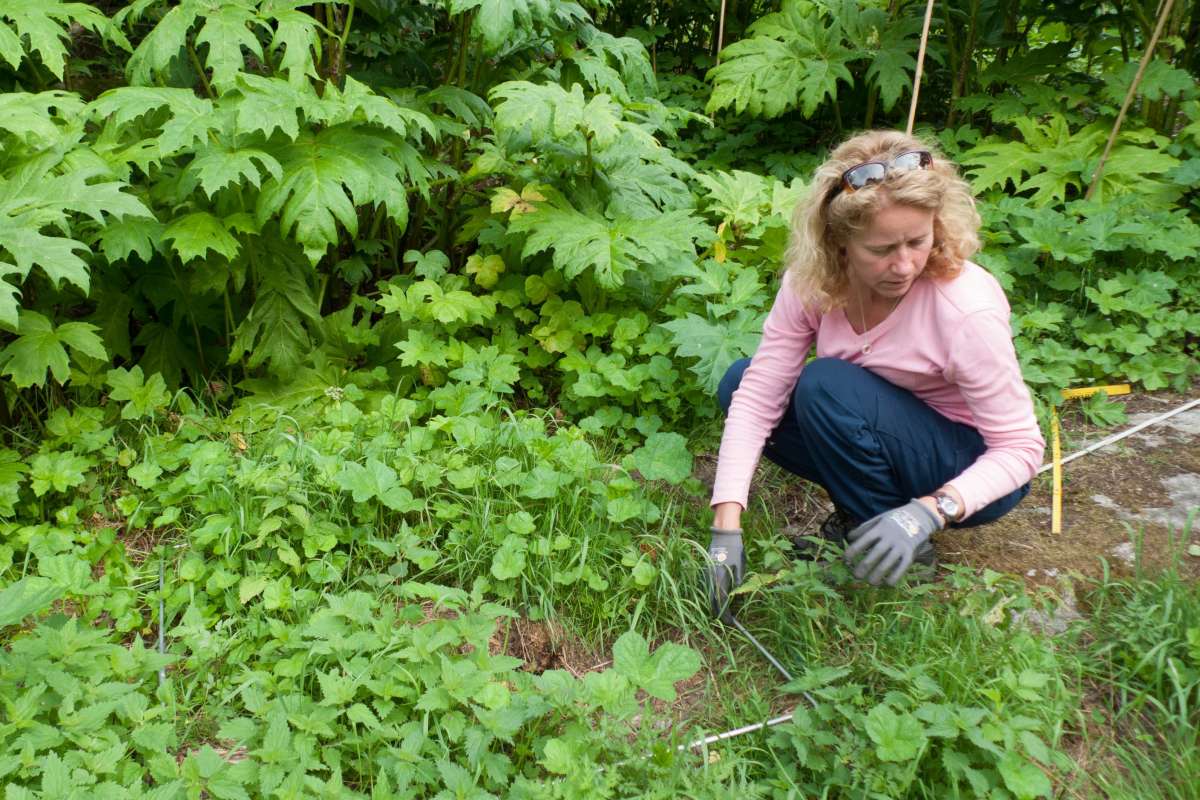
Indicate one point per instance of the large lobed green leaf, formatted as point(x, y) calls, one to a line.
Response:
point(655, 672)
point(716, 344)
point(611, 248)
point(793, 59)
point(548, 112)
point(27, 596)
point(498, 22)
point(46, 26)
point(276, 331)
point(325, 175)
point(42, 194)
point(41, 346)
point(225, 32)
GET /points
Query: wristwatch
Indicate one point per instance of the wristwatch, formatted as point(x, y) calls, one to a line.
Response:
point(947, 506)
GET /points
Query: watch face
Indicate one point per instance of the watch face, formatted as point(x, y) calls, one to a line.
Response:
point(947, 505)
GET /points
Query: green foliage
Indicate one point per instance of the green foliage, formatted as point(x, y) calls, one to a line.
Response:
point(461, 277)
point(26, 596)
point(664, 456)
point(29, 27)
point(611, 248)
point(793, 60)
point(279, 536)
point(796, 58)
point(893, 714)
point(498, 21)
point(1105, 296)
point(233, 207)
point(42, 346)
point(226, 32)
point(41, 193)
point(142, 397)
point(1061, 162)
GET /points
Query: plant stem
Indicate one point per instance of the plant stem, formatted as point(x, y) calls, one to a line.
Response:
point(462, 67)
point(458, 69)
point(333, 65)
point(720, 32)
point(33, 415)
point(345, 31)
point(321, 291)
point(196, 65)
point(964, 64)
point(228, 317)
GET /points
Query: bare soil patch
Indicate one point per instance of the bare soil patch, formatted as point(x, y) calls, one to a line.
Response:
point(1126, 505)
point(545, 645)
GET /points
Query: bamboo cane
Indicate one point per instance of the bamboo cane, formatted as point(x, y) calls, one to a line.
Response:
point(721, 31)
point(912, 109)
point(1137, 78)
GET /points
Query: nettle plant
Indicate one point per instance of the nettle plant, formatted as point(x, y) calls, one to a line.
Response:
point(406, 694)
point(383, 489)
point(313, 550)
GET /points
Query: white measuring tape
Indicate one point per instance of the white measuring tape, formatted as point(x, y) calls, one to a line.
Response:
point(1119, 436)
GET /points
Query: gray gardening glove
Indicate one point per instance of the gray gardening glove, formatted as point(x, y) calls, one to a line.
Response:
point(889, 541)
point(727, 561)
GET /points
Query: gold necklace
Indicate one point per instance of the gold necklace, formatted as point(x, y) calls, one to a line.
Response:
point(862, 317)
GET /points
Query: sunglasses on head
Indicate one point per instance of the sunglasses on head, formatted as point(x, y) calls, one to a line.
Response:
point(870, 172)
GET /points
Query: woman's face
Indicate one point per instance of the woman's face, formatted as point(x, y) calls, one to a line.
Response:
point(884, 259)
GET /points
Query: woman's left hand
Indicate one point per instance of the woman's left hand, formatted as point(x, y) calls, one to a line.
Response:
point(890, 541)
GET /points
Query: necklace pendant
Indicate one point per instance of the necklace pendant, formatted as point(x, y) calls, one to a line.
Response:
point(866, 349)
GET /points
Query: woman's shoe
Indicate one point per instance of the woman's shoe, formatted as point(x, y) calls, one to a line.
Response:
point(831, 532)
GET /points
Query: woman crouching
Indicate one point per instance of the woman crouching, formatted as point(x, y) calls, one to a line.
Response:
point(913, 416)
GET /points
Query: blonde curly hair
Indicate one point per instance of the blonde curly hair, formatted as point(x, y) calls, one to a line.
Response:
point(823, 222)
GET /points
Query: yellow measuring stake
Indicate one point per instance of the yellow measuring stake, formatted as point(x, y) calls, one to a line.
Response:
point(1056, 444)
point(1088, 391)
point(1056, 501)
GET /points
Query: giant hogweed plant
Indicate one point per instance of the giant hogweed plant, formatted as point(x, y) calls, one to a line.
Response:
point(799, 57)
point(246, 196)
point(206, 215)
point(267, 213)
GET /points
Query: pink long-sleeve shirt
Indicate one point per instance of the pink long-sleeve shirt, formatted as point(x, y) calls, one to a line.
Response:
point(948, 342)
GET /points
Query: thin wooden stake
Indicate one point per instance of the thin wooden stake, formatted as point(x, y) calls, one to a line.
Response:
point(912, 109)
point(1129, 95)
point(721, 32)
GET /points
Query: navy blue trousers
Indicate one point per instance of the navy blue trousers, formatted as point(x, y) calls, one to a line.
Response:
point(872, 445)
